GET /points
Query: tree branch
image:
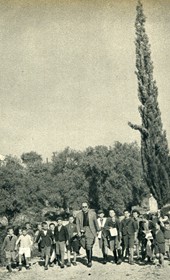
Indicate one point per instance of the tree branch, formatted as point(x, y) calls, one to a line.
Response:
point(142, 130)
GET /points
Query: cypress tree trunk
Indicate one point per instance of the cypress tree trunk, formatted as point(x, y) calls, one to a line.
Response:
point(154, 146)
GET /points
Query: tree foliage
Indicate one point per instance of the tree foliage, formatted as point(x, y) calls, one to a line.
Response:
point(154, 146)
point(31, 158)
point(104, 177)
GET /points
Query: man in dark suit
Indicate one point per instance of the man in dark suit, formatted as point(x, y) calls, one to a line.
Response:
point(87, 225)
point(46, 242)
point(61, 237)
point(128, 230)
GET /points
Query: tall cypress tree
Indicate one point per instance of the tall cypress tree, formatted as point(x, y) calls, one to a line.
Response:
point(154, 145)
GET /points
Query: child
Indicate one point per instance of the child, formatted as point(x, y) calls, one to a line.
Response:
point(19, 232)
point(46, 241)
point(159, 244)
point(25, 244)
point(166, 230)
point(145, 237)
point(31, 233)
point(102, 235)
point(61, 238)
point(39, 228)
point(149, 240)
point(30, 230)
point(73, 241)
point(9, 246)
point(128, 232)
point(135, 215)
point(53, 246)
point(112, 226)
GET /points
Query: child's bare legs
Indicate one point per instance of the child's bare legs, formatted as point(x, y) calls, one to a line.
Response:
point(74, 257)
point(20, 261)
point(160, 257)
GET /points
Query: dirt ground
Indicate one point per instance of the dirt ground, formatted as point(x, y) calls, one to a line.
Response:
point(98, 271)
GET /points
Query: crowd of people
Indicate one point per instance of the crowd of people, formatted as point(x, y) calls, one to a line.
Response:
point(147, 236)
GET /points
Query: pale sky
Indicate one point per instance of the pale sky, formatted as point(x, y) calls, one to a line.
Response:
point(67, 72)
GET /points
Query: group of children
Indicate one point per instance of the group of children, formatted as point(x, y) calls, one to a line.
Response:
point(148, 236)
point(52, 243)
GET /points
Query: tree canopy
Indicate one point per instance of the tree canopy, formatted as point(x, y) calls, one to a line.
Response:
point(105, 177)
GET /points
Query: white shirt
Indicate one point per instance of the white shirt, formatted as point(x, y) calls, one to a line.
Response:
point(24, 241)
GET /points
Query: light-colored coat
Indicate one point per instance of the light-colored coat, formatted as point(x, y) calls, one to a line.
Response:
point(93, 223)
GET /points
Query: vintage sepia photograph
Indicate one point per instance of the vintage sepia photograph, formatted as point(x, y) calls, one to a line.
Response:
point(85, 137)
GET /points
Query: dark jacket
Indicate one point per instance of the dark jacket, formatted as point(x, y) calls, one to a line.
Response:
point(128, 227)
point(159, 237)
point(46, 240)
point(61, 235)
point(71, 229)
point(143, 228)
point(112, 224)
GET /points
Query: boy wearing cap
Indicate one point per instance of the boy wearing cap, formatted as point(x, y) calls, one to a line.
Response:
point(73, 241)
point(103, 243)
point(46, 237)
point(9, 246)
point(61, 237)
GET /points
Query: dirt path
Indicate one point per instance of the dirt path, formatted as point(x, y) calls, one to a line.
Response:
point(98, 271)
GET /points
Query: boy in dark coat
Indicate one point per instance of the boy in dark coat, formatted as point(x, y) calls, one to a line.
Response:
point(128, 229)
point(159, 244)
point(145, 237)
point(112, 226)
point(61, 238)
point(46, 242)
point(53, 246)
point(73, 242)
